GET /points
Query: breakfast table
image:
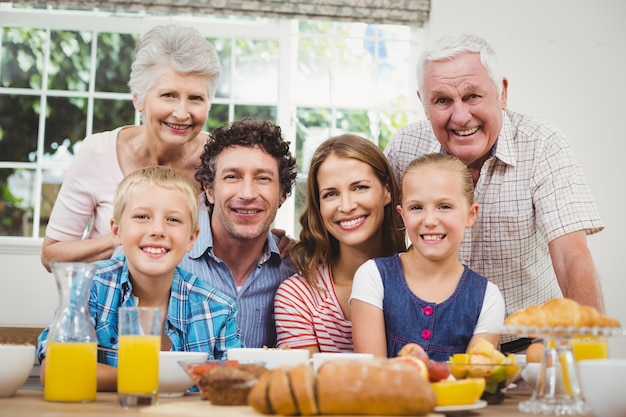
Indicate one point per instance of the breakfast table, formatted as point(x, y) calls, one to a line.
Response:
point(29, 402)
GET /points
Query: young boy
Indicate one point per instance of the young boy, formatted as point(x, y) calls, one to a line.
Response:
point(155, 219)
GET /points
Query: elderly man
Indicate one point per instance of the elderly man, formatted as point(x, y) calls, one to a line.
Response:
point(247, 172)
point(536, 207)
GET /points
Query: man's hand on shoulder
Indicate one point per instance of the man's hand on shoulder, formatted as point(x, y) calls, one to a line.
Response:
point(285, 243)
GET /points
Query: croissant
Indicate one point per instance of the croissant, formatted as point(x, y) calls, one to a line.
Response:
point(563, 312)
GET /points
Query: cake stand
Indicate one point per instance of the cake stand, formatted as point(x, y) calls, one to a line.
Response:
point(558, 390)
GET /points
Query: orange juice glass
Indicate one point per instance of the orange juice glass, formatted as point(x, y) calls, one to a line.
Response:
point(138, 356)
point(138, 365)
point(71, 371)
point(590, 348)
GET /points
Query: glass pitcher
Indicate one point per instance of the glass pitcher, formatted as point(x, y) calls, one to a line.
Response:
point(71, 351)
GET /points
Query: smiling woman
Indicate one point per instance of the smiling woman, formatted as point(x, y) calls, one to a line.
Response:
point(173, 79)
point(348, 219)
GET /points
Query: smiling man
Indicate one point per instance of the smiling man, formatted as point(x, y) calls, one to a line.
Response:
point(536, 205)
point(247, 172)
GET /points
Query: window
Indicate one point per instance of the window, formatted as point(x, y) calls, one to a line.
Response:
point(64, 74)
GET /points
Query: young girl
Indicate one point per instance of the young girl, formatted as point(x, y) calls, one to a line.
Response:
point(426, 295)
point(350, 218)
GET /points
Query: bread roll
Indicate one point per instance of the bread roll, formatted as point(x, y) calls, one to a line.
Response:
point(372, 388)
point(258, 396)
point(531, 316)
point(302, 381)
point(562, 312)
point(279, 393)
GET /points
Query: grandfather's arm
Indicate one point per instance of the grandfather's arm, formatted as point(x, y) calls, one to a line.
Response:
point(575, 271)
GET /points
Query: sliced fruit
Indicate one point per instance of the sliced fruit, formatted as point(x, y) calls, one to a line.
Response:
point(511, 371)
point(482, 347)
point(437, 371)
point(461, 392)
point(413, 349)
point(412, 361)
point(458, 365)
point(480, 366)
point(497, 357)
point(498, 374)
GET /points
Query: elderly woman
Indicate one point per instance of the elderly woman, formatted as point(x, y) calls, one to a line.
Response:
point(173, 80)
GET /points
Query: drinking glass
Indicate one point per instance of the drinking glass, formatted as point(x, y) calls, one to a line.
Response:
point(590, 348)
point(138, 356)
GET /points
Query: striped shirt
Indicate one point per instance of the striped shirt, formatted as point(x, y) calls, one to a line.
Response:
point(199, 317)
point(255, 299)
point(530, 191)
point(308, 316)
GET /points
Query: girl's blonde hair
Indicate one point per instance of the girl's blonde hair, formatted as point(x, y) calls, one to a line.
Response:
point(445, 162)
point(163, 177)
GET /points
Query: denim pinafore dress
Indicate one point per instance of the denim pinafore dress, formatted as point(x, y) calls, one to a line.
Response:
point(441, 329)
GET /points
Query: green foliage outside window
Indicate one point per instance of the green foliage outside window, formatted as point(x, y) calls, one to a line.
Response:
point(87, 92)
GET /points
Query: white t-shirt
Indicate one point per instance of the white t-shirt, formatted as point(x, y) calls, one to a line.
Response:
point(368, 287)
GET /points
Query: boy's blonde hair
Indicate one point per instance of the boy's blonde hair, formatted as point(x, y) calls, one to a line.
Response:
point(163, 177)
point(449, 163)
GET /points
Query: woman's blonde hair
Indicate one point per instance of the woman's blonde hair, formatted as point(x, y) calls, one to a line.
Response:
point(316, 245)
point(163, 177)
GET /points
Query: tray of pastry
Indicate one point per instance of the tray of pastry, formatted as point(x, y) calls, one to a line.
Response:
point(560, 318)
point(560, 331)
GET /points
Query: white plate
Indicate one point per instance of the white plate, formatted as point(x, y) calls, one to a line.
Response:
point(452, 408)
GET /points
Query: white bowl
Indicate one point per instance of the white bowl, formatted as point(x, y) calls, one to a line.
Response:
point(16, 362)
point(273, 358)
point(531, 372)
point(602, 383)
point(173, 380)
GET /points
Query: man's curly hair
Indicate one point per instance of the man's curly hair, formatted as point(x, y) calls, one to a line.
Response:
point(248, 132)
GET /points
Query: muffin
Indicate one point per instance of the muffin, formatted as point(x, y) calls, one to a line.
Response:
point(230, 385)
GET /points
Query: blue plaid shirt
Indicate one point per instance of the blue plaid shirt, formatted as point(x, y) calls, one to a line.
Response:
point(199, 319)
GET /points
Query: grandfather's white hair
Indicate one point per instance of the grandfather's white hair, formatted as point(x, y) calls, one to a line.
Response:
point(455, 44)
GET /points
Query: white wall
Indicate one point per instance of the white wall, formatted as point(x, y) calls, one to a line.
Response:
point(28, 294)
point(565, 62)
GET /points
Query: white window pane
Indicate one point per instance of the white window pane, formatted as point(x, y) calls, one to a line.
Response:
point(256, 70)
point(312, 84)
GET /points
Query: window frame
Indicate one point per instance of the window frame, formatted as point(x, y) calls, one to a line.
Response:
point(281, 30)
